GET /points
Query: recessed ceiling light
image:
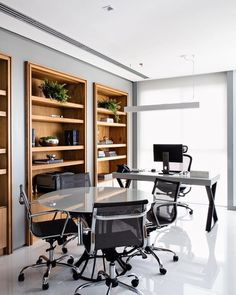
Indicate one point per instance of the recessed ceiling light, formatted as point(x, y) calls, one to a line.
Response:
point(108, 8)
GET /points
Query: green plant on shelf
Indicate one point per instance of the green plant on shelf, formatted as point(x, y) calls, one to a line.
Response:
point(112, 105)
point(54, 90)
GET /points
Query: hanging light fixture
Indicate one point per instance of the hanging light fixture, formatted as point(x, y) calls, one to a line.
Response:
point(170, 106)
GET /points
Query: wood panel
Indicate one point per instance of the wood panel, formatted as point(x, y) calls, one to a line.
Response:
point(3, 227)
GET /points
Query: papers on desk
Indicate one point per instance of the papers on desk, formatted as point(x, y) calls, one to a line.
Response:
point(200, 174)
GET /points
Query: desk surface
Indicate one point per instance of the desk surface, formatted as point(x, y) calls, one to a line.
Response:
point(81, 200)
point(184, 179)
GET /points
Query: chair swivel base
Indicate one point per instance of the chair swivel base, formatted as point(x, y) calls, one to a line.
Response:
point(112, 281)
point(149, 249)
point(49, 264)
point(184, 205)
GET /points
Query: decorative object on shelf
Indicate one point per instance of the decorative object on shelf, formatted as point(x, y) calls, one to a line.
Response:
point(72, 137)
point(51, 157)
point(49, 141)
point(54, 90)
point(112, 105)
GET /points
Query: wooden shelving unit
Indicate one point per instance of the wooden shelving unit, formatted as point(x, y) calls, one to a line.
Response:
point(48, 117)
point(5, 156)
point(115, 131)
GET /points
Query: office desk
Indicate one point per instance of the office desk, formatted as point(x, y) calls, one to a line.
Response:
point(209, 183)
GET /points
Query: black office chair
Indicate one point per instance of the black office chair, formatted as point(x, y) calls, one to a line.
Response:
point(162, 213)
point(72, 181)
point(54, 230)
point(116, 225)
point(185, 189)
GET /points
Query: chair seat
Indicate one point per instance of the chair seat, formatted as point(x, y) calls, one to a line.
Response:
point(53, 228)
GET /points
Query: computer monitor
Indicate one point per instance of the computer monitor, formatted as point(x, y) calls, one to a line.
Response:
point(168, 153)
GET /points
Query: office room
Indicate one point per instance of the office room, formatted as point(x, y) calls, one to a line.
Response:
point(117, 147)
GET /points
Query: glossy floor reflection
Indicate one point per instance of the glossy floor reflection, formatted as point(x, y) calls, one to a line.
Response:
point(206, 263)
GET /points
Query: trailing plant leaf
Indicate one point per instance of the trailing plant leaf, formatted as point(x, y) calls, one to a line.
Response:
point(54, 90)
point(112, 105)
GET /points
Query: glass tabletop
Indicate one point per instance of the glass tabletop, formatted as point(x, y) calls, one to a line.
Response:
point(81, 199)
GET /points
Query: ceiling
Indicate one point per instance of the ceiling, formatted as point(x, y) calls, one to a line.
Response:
point(138, 37)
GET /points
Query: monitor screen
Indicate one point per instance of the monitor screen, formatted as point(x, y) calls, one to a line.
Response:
point(175, 152)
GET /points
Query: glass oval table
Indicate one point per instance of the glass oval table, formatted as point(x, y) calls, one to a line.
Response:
point(79, 202)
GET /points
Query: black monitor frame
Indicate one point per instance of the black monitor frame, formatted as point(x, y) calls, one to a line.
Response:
point(167, 153)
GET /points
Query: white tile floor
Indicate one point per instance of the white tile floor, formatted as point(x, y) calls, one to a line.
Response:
point(206, 265)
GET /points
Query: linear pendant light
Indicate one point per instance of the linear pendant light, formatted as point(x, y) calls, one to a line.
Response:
point(169, 106)
point(164, 106)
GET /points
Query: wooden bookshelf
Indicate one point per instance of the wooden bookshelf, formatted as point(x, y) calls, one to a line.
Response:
point(115, 131)
point(5, 156)
point(49, 117)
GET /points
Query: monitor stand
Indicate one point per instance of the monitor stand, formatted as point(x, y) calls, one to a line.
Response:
point(166, 167)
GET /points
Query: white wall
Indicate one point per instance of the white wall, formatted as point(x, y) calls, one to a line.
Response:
point(204, 130)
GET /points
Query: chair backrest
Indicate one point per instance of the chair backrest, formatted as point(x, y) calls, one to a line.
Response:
point(164, 209)
point(187, 162)
point(75, 180)
point(118, 224)
point(23, 200)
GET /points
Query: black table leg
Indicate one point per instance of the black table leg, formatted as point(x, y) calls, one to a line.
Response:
point(127, 183)
point(211, 191)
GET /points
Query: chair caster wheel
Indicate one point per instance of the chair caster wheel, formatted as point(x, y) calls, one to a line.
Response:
point(39, 261)
point(128, 266)
point(163, 271)
point(70, 260)
point(99, 278)
point(175, 258)
point(191, 212)
point(75, 275)
point(135, 282)
point(64, 250)
point(21, 277)
point(45, 286)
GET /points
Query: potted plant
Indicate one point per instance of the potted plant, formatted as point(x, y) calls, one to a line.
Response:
point(54, 90)
point(112, 105)
point(49, 141)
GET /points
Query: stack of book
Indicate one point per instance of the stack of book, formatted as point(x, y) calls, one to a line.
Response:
point(106, 141)
point(110, 153)
point(108, 120)
point(101, 154)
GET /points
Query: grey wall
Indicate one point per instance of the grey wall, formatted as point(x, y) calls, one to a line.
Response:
point(21, 50)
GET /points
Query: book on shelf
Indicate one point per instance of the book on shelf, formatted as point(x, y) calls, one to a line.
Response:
point(47, 161)
point(107, 141)
point(110, 153)
point(101, 154)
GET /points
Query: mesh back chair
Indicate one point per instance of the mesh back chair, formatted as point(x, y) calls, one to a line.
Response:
point(54, 230)
point(116, 225)
point(185, 189)
point(163, 212)
point(72, 181)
